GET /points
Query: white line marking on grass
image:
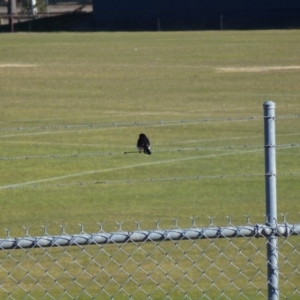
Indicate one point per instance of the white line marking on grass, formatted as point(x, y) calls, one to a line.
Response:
point(16, 65)
point(256, 69)
point(98, 127)
point(71, 130)
point(126, 167)
point(88, 129)
point(133, 166)
point(110, 113)
point(59, 144)
point(118, 128)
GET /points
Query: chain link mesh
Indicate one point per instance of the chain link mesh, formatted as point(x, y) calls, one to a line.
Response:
point(194, 263)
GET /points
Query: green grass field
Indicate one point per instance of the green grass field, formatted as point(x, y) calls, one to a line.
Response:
point(55, 80)
point(95, 78)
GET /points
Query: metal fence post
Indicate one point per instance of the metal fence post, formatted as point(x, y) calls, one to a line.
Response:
point(271, 199)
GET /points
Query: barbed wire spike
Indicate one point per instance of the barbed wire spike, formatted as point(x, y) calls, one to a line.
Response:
point(101, 226)
point(284, 217)
point(193, 219)
point(81, 228)
point(229, 220)
point(119, 226)
point(26, 230)
point(7, 232)
point(247, 219)
point(63, 232)
point(138, 225)
point(157, 224)
point(175, 220)
point(211, 219)
point(45, 230)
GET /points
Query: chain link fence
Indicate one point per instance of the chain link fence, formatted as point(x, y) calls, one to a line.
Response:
point(252, 261)
point(196, 263)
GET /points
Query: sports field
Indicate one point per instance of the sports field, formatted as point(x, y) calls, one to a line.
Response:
point(61, 93)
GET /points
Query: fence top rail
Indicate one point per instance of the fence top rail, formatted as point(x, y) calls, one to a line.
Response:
point(175, 234)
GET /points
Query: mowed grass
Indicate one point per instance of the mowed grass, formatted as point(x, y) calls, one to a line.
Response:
point(93, 78)
point(60, 79)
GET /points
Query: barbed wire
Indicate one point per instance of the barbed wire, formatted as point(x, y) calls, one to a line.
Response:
point(151, 180)
point(135, 152)
point(288, 117)
point(138, 123)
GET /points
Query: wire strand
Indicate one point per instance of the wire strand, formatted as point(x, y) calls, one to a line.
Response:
point(138, 123)
point(135, 152)
point(131, 123)
point(151, 180)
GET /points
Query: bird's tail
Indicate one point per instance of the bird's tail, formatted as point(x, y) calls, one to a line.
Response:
point(147, 150)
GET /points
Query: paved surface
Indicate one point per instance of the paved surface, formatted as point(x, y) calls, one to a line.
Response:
point(52, 10)
point(57, 8)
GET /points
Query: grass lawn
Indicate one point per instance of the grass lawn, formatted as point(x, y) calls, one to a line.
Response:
point(52, 85)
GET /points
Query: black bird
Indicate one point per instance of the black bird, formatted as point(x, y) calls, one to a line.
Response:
point(143, 144)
